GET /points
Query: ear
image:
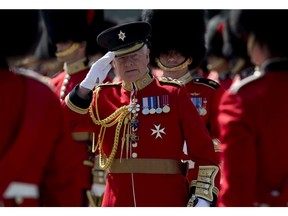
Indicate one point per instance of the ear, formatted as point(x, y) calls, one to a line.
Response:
point(148, 55)
point(250, 43)
point(190, 60)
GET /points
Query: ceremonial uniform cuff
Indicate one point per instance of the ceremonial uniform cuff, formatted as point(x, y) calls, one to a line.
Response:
point(76, 103)
point(204, 186)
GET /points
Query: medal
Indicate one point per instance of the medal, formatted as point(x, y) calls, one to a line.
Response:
point(166, 109)
point(152, 104)
point(204, 111)
point(145, 111)
point(165, 102)
point(152, 111)
point(158, 110)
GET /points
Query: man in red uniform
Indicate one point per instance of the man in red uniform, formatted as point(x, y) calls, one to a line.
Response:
point(253, 129)
point(35, 148)
point(179, 57)
point(141, 124)
point(68, 31)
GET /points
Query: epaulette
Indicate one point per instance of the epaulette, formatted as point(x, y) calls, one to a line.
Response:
point(170, 80)
point(207, 82)
point(34, 75)
point(236, 86)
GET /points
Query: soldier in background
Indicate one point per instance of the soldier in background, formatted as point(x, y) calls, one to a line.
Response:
point(253, 129)
point(235, 50)
point(217, 63)
point(179, 57)
point(71, 33)
point(35, 146)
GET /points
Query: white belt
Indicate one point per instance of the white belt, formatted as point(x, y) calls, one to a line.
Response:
point(21, 189)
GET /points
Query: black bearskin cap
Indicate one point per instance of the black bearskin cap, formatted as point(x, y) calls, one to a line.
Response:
point(265, 25)
point(65, 25)
point(214, 35)
point(20, 32)
point(180, 30)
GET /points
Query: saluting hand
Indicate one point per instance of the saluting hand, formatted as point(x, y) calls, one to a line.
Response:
point(98, 71)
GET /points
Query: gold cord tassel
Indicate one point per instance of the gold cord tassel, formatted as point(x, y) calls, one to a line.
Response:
point(118, 118)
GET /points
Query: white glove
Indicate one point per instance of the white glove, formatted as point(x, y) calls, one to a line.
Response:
point(98, 189)
point(202, 203)
point(98, 71)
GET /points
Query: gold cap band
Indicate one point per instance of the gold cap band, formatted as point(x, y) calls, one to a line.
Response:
point(129, 50)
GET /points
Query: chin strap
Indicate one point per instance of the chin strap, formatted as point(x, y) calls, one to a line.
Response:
point(68, 51)
point(176, 68)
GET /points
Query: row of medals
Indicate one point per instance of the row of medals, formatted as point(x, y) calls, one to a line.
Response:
point(158, 110)
point(161, 102)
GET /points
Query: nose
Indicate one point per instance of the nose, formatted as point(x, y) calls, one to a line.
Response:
point(128, 62)
point(171, 58)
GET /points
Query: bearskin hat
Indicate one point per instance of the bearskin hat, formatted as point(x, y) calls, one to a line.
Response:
point(65, 25)
point(234, 46)
point(96, 24)
point(74, 25)
point(214, 35)
point(180, 30)
point(264, 25)
point(21, 32)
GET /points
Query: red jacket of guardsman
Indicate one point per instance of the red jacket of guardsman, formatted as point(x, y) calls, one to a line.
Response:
point(143, 141)
point(35, 146)
point(69, 31)
point(63, 83)
point(253, 133)
point(205, 95)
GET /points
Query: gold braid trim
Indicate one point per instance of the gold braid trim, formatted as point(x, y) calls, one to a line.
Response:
point(205, 182)
point(117, 117)
point(73, 107)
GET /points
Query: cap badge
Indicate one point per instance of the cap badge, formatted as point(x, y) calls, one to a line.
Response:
point(121, 35)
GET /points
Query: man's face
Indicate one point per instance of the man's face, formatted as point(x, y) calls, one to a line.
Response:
point(172, 59)
point(133, 66)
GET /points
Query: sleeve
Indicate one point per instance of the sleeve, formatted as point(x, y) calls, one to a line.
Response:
point(76, 112)
point(200, 149)
point(213, 121)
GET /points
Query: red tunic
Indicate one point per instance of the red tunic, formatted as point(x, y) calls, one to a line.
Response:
point(63, 83)
point(35, 148)
point(205, 95)
point(161, 136)
point(253, 123)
